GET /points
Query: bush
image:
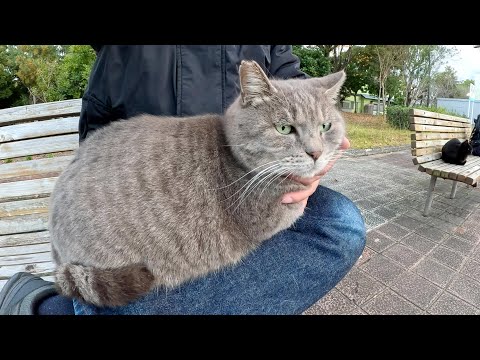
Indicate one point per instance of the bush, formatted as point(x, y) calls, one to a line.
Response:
point(397, 116)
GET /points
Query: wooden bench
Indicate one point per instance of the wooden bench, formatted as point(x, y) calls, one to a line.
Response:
point(431, 131)
point(36, 144)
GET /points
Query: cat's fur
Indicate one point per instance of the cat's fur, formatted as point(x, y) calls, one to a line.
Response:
point(455, 152)
point(155, 201)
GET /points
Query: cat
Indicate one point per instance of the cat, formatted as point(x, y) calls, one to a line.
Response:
point(155, 201)
point(455, 152)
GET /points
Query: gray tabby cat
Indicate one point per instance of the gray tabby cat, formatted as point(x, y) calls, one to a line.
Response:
point(155, 201)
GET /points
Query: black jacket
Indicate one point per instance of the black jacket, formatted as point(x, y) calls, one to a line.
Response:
point(178, 80)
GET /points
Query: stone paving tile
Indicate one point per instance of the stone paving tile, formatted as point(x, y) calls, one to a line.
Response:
point(402, 255)
point(372, 220)
point(366, 255)
point(418, 215)
point(357, 311)
point(382, 268)
point(447, 257)
point(393, 231)
point(359, 287)
point(418, 290)
point(435, 272)
point(472, 269)
point(458, 244)
point(451, 218)
point(367, 204)
point(378, 241)
point(466, 289)
point(432, 233)
point(443, 225)
point(334, 303)
point(408, 222)
point(385, 212)
point(447, 304)
point(418, 243)
point(390, 303)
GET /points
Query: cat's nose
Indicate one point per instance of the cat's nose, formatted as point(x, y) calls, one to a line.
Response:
point(314, 154)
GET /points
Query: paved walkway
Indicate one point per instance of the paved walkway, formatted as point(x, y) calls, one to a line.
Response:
point(412, 264)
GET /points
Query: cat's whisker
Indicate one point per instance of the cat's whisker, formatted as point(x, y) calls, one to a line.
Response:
point(251, 181)
point(234, 145)
point(284, 171)
point(223, 187)
point(246, 193)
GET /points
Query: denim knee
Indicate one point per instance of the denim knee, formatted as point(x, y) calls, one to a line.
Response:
point(340, 218)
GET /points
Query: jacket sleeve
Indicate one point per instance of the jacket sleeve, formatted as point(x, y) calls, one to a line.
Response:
point(284, 64)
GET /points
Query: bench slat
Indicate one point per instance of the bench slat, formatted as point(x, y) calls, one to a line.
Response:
point(430, 114)
point(26, 189)
point(38, 129)
point(39, 146)
point(37, 167)
point(50, 111)
point(473, 162)
point(432, 128)
point(430, 143)
point(433, 136)
point(429, 121)
point(39, 237)
point(24, 250)
point(24, 207)
point(426, 158)
point(40, 268)
point(426, 151)
point(473, 178)
point(25, 258)
point(33, 108)
point(23, 224)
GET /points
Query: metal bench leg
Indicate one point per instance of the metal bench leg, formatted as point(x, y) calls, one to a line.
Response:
point(428, 204)
point(454, 189)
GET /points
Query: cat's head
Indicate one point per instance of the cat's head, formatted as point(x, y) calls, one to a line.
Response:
point(465, 148)
point(291, 126)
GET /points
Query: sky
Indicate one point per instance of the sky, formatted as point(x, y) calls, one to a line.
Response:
point(466, 63)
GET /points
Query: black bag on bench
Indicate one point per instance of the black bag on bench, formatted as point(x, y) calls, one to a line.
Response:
point(475, 139)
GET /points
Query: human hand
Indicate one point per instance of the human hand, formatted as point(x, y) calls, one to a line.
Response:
point(312, 183)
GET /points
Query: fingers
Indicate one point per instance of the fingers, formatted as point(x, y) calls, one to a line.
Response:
point(302, 195)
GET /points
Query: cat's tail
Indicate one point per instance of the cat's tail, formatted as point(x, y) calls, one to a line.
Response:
point(103, 287)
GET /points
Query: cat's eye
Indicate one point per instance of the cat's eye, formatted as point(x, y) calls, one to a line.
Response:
point(284, 129)
point(325, 127)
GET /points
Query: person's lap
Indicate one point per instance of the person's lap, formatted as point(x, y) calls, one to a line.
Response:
point(285, 275)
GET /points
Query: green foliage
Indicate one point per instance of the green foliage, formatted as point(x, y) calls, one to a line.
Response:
point(313, 62)
point(74, 71)
point(398, 117)
point(8, 161)
point(49, 156)
point(29, 157)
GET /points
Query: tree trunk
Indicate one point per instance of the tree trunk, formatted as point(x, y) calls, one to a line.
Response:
point(379, 94)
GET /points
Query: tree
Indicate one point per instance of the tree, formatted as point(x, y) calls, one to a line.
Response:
point(312, 60)
point(445, 84)
point(420, 65)
point(74, 71)
point(37, 66)
point(388, 57)
point(358, 73)
point(12, 92)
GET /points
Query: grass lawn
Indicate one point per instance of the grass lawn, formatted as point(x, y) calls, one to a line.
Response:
point(368, 131)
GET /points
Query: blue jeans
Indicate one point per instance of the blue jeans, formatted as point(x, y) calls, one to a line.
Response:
point(285, 275)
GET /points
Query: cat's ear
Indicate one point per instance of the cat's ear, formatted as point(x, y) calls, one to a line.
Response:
point(254, 84)
point(332, 84)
